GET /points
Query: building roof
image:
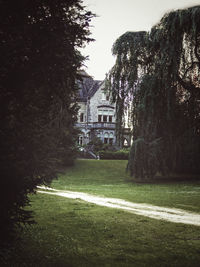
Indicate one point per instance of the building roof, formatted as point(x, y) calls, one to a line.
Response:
point(87, 87)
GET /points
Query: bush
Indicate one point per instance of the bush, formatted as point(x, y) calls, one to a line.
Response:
point(121, 154)
point(95, 144)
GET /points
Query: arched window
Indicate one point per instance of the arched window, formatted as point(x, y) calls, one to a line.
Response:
point(80, 141)
point(111, 138)
point(125, 142)
point(106, 138)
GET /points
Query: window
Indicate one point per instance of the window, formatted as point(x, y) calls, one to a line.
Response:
point(81, 117)
point(125, 142)
point(105, 115)
point(80, 140)
point(105, 140)
point(103, 96)
point(110, 141)
point(88, 135)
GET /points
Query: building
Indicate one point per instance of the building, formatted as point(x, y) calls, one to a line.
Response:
point(96, 115)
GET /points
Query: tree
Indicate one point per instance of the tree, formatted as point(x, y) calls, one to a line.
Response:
point(158, 73)
point(130, 51)
point(39, 43)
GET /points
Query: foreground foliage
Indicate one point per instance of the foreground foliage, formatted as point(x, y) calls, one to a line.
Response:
point(39, 63)
point(156, 79)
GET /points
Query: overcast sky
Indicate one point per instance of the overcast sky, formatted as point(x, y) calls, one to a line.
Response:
point(116, 17)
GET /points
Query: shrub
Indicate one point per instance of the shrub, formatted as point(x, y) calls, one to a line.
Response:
point(121, 154)
point(95, 144)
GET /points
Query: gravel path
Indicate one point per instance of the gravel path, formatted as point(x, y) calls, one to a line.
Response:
point(151, 211)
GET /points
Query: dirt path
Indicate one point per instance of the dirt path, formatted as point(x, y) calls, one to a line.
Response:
point(155, 212)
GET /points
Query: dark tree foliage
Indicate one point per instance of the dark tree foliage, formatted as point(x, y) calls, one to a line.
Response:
point(39, 62)
point(123, 77)
point(158, 74)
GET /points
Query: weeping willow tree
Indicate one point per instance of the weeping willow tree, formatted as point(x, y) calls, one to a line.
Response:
point(123, 78)
point(157, 77)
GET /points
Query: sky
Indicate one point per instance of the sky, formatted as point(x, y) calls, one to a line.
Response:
point(114, 18)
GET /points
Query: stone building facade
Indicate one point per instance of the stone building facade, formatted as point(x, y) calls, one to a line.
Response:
point(96, 115)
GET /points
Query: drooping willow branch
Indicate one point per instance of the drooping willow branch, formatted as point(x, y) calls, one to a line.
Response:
point(151, 70)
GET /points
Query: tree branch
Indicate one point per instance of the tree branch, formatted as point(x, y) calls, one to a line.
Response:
point(189, 86)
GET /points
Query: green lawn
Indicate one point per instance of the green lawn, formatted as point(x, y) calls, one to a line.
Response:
point(75, 233)
point(109, 178)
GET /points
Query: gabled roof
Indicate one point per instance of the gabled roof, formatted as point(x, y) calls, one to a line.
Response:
point(87, 87)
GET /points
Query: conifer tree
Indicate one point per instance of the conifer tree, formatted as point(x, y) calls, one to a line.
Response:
point(39, 43)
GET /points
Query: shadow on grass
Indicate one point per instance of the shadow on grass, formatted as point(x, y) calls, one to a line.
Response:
point(168, 179)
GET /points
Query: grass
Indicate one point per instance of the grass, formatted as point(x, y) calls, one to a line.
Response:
point(109, 178)
point(75, 233)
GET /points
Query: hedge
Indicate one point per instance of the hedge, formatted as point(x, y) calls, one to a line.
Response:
point(124, 155)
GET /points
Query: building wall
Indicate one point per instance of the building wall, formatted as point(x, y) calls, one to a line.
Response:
point(82, 120)
point(99, 99)
point(82, 110)
point(99, 118)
